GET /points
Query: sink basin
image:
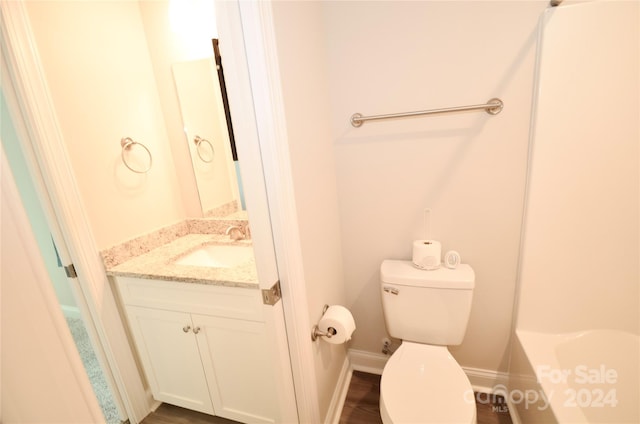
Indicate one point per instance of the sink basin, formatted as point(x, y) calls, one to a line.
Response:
point(217, 256)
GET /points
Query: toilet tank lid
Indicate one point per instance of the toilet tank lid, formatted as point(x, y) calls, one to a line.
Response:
point(406, 274)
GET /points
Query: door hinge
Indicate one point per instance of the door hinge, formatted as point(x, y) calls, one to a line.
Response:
point(71, 271)
point(272, 295)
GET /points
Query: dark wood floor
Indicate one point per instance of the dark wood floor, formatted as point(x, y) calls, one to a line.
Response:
point(360, 407)
point(169, 414)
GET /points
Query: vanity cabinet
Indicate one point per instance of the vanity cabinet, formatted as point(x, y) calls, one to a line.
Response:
point(202, 347)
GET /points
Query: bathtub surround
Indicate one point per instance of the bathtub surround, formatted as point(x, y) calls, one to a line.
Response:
point(580, 235)
point(580, 249)
point(586, 377)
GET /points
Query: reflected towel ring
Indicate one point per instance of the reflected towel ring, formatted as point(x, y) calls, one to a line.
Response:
point(127, 143)
point(199, 140)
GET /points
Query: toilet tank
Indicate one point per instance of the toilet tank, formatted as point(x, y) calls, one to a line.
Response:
point(429, 307)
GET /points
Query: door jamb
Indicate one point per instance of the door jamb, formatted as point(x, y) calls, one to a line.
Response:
point(47, 143)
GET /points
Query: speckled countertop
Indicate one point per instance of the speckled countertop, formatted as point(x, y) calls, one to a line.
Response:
point(159, 264)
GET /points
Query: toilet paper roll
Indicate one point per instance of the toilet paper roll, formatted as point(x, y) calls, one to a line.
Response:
point(339, 321)
point(426, 254)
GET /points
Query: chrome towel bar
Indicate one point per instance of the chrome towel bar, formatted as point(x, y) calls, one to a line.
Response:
point(492, 107)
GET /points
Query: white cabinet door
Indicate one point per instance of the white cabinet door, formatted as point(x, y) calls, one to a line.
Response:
point(238, 367)
point(169, 353)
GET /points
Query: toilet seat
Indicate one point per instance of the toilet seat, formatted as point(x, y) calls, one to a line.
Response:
point(424, 384)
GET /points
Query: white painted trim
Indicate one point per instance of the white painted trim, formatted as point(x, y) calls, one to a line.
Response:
point(36, 105)
point(340, 393)
point(261, 52)
point(482, 380)
point(256, 137)
point(486, 381)
point(364, 361)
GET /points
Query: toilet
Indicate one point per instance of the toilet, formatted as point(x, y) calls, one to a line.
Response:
point(428, 311)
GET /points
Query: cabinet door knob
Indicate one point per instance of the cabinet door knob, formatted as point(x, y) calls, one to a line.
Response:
point(196, 330)
point(186, 328)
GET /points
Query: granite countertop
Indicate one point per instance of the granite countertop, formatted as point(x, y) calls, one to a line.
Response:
point(159, 264)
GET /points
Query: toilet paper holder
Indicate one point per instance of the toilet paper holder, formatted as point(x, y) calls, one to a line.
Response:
point(315, 332)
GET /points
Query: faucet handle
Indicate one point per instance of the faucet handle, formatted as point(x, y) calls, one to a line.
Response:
point(235, 232)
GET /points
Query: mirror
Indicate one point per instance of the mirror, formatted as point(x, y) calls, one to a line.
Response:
point(182, 40)
point(207, 126)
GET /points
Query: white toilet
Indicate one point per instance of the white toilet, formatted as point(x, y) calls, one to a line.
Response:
point(427, 310)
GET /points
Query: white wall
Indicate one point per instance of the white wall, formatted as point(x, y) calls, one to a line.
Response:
point(580, 251)
point(299, 38)
point(469, 168)
point(97, 66)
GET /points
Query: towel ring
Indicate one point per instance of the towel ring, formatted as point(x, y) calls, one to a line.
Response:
point(127, 143)
point(198, 141)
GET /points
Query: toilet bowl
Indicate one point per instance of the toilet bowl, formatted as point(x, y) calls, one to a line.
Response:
point(428, 311)
point(424, 384)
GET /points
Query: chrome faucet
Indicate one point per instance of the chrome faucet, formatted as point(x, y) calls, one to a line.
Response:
point(236, 233)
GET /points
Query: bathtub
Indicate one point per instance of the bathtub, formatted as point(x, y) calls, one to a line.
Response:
point(584, 377)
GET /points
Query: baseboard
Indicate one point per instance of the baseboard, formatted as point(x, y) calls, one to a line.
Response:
point(486, 381)
point(364, 361)
point(70, 311)
point(340, 393)
point(482, 380)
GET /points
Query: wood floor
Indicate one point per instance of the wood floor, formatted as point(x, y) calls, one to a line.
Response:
point(360, 407)
point(169, 414)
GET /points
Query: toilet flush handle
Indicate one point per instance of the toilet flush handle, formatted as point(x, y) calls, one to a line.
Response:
point(391, 290)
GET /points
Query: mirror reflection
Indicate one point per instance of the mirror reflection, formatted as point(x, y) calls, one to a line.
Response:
point(182, 39)
point(207, 127)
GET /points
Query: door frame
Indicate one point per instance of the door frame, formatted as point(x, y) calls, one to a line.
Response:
point(50, 157)
point(261, 64)
point(250, 27)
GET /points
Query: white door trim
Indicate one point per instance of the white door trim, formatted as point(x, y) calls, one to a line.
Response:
point(34, 99)
point(262, 212)
point(264, 74)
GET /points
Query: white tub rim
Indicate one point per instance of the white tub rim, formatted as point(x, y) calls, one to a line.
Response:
point(541, 349)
